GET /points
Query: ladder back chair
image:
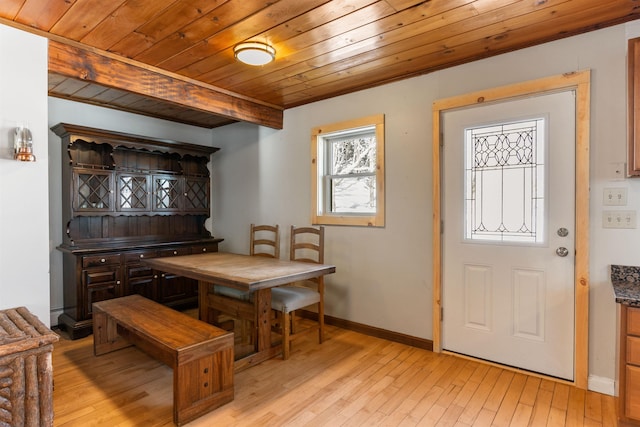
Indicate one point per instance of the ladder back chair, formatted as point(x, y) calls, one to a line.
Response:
point(307, 245)
point(264, 241)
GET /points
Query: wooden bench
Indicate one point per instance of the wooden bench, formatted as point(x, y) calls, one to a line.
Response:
point(200, 354)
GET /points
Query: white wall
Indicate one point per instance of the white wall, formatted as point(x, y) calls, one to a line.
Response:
point(24, 199)
point(383, 276)
point(63, 111)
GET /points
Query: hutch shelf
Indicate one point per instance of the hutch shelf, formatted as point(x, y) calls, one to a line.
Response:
point(127, 198)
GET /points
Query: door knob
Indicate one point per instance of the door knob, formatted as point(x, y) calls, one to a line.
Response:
point(562, 251)
point(563, 232)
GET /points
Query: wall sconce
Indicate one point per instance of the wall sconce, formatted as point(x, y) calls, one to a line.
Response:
point(23, 145)
point(254, 53)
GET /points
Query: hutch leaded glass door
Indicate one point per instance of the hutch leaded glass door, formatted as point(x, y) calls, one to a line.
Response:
point(92, 191)
point(508, 241)
point(196, 194)
point(133, 192)
point(167, 193)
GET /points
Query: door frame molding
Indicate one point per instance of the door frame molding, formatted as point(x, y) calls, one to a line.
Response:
point(580, 81)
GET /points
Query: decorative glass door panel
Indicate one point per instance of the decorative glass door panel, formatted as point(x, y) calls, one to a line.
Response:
point(133, 193)
point(93, 190)
point(504, 182)
point(196, 194)
point(167, 193)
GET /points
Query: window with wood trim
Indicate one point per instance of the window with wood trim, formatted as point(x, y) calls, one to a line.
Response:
point(348, 172)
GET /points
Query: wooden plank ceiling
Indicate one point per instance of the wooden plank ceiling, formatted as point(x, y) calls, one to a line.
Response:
point(173, 59)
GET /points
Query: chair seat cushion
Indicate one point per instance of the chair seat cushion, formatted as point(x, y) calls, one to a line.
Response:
point(232, 293)
point(291, 298)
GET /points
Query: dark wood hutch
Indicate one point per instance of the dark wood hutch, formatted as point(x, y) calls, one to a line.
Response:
point(125, 198)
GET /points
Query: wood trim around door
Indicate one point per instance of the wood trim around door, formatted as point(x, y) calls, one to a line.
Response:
point(580, 81)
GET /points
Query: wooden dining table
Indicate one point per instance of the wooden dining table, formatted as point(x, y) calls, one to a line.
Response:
point(247, 273)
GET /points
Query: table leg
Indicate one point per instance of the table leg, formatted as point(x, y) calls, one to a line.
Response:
point(203, 301)
point(262, 301)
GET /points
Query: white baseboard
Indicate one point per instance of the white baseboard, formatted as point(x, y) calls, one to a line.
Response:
point(53, 316)
point(602, 385)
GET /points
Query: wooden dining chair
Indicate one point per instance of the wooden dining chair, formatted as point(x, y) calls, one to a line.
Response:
point(307, 245)
point(264, 241)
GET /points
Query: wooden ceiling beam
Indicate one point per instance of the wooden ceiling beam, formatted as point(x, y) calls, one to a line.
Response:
point(91, 65)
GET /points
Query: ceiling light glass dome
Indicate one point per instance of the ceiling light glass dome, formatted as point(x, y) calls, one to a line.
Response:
point(254, 53)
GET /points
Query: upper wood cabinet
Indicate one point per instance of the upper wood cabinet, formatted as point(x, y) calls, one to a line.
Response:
point(117, 186)
point(633, 92)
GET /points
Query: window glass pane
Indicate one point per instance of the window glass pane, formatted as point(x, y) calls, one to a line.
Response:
point(353, 153)
point(356, 195)
point(505, 182)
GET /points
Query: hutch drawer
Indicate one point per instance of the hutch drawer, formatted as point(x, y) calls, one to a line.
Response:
point(199, 249)
point(174, 252)
point(136, 256)
point(138, 271)
point(97, 260)
point(98, 276)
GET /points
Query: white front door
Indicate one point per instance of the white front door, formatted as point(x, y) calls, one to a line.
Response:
point(508, 233)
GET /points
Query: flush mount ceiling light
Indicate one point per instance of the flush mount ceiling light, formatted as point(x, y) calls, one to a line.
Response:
point(254, 53)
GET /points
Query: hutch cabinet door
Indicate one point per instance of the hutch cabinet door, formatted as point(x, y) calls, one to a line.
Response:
point(167, 193)
point(101, 293)
point(100, 283)
point(134, 193)
point(92, 191)
point(174, 289)
point(138, 278)
point(141, 285)
point(196, 195)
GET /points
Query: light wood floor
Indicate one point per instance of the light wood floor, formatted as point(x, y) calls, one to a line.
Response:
point(350, 380)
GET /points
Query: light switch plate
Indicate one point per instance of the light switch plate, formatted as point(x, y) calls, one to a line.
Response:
point(614, 197)
point(619, 219)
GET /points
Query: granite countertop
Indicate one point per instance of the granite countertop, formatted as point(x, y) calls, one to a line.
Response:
point(626, 284)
